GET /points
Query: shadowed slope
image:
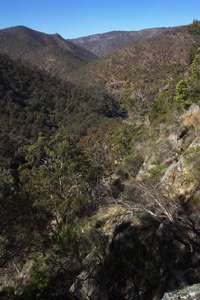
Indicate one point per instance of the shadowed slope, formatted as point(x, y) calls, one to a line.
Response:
point(47, 52)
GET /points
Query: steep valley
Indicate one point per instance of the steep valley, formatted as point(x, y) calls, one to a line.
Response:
point(100, 167)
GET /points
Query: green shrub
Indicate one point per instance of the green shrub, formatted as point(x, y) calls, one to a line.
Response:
point(182, 94)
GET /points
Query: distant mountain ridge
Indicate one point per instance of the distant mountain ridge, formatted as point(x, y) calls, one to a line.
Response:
point(109, 42)
point(59, 56)
point(49, 52)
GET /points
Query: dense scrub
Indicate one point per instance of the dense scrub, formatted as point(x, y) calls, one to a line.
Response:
point(32, 102)
point(47, 181)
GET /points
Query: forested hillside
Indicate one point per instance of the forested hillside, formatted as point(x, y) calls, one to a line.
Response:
point(142, 70)
point(107, 43)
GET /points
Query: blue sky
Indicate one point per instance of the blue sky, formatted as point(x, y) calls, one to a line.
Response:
point(74, 18)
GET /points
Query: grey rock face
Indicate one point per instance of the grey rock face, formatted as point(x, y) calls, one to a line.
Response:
point(189, 293)
point(85, 288)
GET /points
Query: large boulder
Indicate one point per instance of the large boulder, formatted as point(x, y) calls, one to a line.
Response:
point(188, 293)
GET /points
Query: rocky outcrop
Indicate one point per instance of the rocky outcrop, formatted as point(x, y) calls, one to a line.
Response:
point(192, 116)
point(85, 288)
point(182, 176)
point(173, 158)
point(189, 293)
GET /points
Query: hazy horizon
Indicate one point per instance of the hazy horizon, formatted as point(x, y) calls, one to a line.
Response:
point(82, 18)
